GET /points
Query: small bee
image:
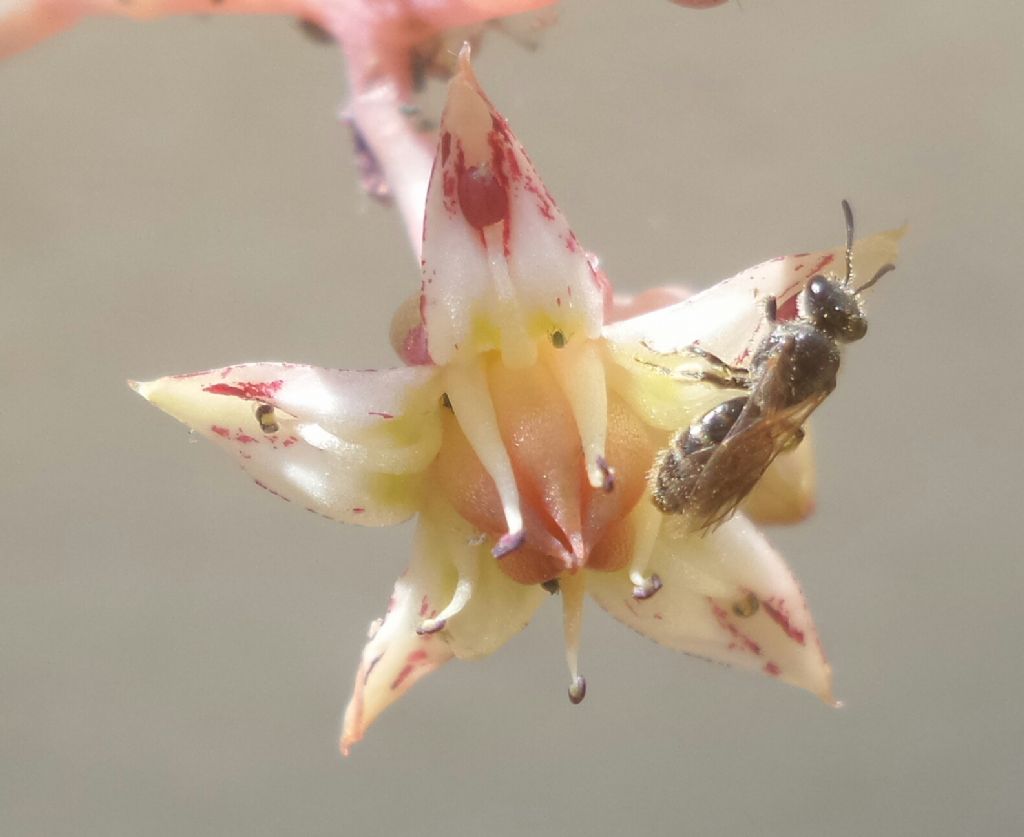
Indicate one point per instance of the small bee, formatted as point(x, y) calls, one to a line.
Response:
point(711, 466)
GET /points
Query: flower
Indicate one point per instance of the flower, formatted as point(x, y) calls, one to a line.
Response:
point(521, 433)
point(379, 37)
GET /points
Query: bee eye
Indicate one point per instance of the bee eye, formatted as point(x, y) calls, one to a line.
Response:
point(267, 419)
point(818, 286)
point(747, 606)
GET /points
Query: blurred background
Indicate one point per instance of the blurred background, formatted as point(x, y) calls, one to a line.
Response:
point(176, 645)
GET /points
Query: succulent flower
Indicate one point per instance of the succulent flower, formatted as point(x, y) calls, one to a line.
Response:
point(521, 431)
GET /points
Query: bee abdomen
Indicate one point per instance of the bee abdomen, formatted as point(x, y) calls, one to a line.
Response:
point(677, 469)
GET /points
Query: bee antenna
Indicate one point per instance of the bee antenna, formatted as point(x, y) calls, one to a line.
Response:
point(885, 268)
point(848, 214)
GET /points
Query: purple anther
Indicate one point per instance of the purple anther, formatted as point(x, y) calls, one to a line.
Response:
point(431, 626)
point(607, 474)
point(649, 587)
point(508, 542)
point(577, 690)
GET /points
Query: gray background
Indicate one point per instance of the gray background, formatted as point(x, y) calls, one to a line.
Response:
point(176, 645)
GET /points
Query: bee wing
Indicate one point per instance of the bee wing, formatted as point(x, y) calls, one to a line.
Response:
point(739, 461)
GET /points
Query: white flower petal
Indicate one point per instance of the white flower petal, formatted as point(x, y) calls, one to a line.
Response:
point(396, 656)
point(500, 265)
point(349, 445)
point(727, 597)
point(727, 318)
point(451, 560)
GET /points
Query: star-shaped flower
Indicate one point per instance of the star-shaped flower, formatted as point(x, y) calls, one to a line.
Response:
point(521, 433)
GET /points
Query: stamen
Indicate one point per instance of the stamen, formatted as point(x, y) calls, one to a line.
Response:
point(466, 564)
point(580, 374)
point(471, 400)
point(267, 420)
point(646, 521)
point(573, 586)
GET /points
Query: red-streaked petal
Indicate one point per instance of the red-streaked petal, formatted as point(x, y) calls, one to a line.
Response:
point(727, 597)
point(726, 318)
point(451, 559)
point(500, 265)
point(349, 445)
point(396, 656)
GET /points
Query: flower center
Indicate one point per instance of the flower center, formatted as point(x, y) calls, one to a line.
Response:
point(550, 454)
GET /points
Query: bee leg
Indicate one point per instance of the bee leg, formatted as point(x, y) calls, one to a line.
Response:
point(732, 376)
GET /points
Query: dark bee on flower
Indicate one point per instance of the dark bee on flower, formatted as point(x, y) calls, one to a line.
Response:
point(711, 466)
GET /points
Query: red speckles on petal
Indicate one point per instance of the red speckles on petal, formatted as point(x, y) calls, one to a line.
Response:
point(266, 487)
point(415, 659)
point(482, 196)
point(742, 640)
point(777, 611)
point(772, 669)
point(245, 438)
point(251, 391)
point(502, 142)
point(220, 431)
point(381, 415)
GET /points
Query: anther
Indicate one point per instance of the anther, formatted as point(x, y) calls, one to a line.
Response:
point(558, 339)
point(509, 542)
point(607, 473)
point(747, 606)
point(266, 418)
point(577, 690)
point(431, 626)
point(645, 587)
point(551, 585)
point(446, 402)
point(647, 524)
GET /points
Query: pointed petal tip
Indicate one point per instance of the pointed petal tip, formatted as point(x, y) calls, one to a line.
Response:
point(464, 75)
point(347, 740)
point(825, 693)
point(143, 388)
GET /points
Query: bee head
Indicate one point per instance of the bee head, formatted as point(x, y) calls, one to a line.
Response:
point(835, 309)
